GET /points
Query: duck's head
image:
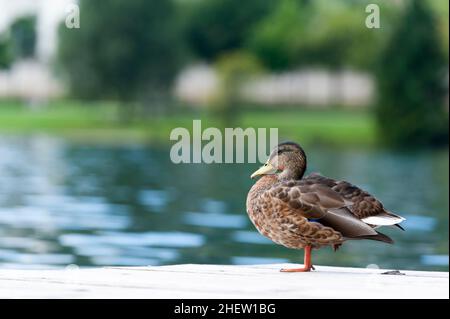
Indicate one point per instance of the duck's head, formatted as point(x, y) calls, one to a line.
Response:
point(287, 161)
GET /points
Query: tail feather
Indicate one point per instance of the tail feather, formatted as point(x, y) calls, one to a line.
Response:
point(379, 237)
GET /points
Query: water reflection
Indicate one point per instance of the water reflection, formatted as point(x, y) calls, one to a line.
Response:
point(67, 203)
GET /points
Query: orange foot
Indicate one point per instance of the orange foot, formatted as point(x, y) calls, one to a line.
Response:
point(307, 264)
point(304, 269)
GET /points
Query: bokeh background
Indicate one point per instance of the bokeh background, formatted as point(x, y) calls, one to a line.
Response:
point(86, 113)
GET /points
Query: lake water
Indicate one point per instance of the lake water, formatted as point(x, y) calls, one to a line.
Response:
point(68, 203)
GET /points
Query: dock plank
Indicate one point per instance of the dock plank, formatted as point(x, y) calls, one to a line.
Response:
point(221, 281)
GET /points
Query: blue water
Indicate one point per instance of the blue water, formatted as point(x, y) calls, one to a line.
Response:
point(70, 203)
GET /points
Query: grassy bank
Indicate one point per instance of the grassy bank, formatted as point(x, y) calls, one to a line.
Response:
point(100, 122)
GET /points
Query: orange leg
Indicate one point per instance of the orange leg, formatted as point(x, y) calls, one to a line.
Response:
point(307, 263)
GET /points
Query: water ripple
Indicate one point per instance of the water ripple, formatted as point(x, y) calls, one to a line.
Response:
point(215, 220)
point(159, 239)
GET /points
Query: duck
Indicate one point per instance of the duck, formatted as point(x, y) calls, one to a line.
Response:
point(313, 211)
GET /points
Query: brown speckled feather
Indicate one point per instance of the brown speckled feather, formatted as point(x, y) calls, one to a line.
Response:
point(361, 203)
point(278, 212)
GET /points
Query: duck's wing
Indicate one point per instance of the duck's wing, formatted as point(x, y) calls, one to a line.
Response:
point(360, 203)
point(320, 203)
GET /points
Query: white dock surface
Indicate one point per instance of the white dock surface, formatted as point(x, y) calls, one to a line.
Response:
point(218, 281)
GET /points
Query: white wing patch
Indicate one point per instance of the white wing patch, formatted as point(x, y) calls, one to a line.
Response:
point(383, 220)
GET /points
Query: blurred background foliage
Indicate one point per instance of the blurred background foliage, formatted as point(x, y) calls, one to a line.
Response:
point(411, 74)
point(234, 70)
point(23, 36)
point(131, 48)
point(19, 42)
point(6, 56)
point(214, 27)
point(320, 32)
point(133, 51)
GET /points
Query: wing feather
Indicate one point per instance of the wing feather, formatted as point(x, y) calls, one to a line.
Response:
point(362, 204)
point(321, 203)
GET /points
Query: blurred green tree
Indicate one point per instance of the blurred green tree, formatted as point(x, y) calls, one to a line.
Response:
point(411, 80)
point(234, 70)
point(6, 56)
point(213, 27)
point(23, 36)
point(326, 33)
point(441, 11)
point(275, 39)
point(123, 50)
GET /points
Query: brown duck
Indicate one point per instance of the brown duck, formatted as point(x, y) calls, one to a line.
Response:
point(313, 211)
